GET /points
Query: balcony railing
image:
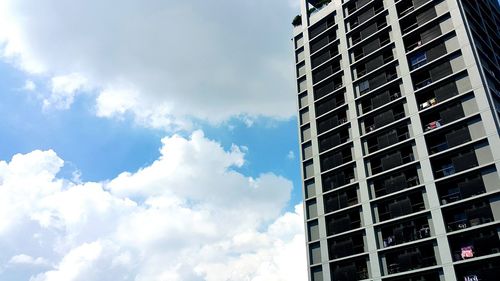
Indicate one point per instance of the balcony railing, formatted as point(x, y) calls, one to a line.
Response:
point(379, 26)
point(324, 73)
point(362, 72)
point(330, 123)
point(331, 162)
point(475, 244)
point(407, 234)
point(323, 57)
point(404, 159)
point(400, 137)
point(357, 22)
point(362, 54)
point(342, 223)
point(380, 100)
point(402, 208)
point(394, 184)
point(457, 164)
point(332, 141)
point(372, 127)
point(328, 88)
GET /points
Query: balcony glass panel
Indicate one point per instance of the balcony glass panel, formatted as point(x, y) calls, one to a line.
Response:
point(462, 188)
point(395, 182)
point(333, 139)
point(352, 269)
point(410, 258)
point(473, 244)
point(468, 214)
point(338, 178)
point(400, 206)
point(341, 199)
point(405, 231)
point(346, 246)
point(333, 159)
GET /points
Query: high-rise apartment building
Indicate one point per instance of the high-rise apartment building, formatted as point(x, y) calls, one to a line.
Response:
point(399, 120)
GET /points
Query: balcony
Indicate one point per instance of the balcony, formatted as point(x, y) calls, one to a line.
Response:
point(475, 244)
point(376, 80)
point(422, 57)
point(407, 6)
point(368, 31)
point(405, 231)
point(461, 159)
point(323, 56)
point(468, 214)
point(326, 71)
point(334, 159)
point(374, 63)
point(333, 139)
point(461, 188)
point(338, 178)
point(330, 103)
point(371, 46)
point(426, 77)
point(346, 221)
point(410, 258)
point(401, 205)
point(392, 160)
point(485, 269)
point(443, 115)
point(445, 140)
point(395, 182)
point(426, 35)
point(321, 26)
point(417, 19)
point(321, 41)
point(353, 6)
point(455, 166)
point(440, 94)
point(381, 98)
point(388, 138)
point(368, 13)
point(345, 246)
point(376, 121)
point(352, 269)
point(338, 200)
point(327, 87)
point(331, 121)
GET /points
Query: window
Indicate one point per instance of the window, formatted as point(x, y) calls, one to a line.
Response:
point(302, 85)
point(364, 86)
point(418, 59)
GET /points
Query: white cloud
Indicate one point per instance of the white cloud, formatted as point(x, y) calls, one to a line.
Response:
point(23, 259)
point(165, 62)
point(64, 88)
point(290, 155)
point(188, 216)
point(29, 86)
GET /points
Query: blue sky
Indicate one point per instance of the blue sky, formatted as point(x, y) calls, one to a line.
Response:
point(100, 148)
point(139, 132)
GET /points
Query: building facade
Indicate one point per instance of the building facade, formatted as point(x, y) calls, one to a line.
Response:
point(399, 106)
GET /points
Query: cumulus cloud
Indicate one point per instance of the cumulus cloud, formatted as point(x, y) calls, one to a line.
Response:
point(166, 62)
point(188, 216)
point(64, 89)
point(23, 259)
